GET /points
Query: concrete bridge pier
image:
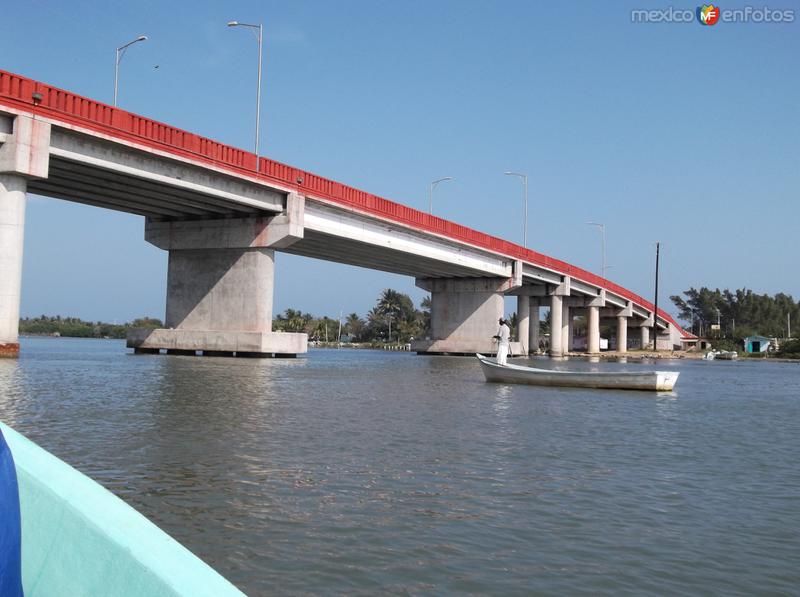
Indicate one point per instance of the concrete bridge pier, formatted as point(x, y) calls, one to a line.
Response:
point(559, 330)
point(464, 314)
point(24, 155)
point(622, 333)
point(220, 284)
point(567, 327)
point(12, 231)
point(645, 334)
point(593, 330)
point(556, 311)
point(593, 306)
point(523, 323)
point(533, 332)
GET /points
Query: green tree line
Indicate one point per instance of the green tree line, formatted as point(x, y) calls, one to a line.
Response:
point(740, 313)
point(74, 327)
point(394, 318)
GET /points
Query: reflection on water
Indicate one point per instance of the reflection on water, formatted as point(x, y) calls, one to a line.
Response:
point(367, 472)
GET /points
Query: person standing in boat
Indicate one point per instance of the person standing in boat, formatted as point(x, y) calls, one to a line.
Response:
point(503, 337)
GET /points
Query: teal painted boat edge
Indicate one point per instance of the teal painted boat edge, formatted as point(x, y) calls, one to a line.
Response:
point(80, 539)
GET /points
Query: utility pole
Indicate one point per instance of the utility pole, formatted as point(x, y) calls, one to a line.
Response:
point(788, 325)
point(655, 315)
point(339, 337)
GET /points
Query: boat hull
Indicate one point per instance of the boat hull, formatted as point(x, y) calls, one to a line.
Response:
point(80, 539)
point(654, 381)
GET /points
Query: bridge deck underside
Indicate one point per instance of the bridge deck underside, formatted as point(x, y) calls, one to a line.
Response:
point(342, 250)
point(90, 185)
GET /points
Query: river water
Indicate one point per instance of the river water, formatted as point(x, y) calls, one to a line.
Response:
point(365, 472)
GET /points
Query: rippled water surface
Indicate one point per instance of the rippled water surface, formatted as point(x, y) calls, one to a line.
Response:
point(365, 472)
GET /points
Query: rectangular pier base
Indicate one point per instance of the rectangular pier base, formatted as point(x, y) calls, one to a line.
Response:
point(217, 343)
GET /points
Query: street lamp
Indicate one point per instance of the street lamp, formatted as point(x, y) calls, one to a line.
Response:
point(119, 54)
point(259, 37)
point(603, 230)
point(430, 191)
point(524, 178)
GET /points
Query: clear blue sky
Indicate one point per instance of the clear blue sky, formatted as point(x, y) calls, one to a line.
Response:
point(674, 132)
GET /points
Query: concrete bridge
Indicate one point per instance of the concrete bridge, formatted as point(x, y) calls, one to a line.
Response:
point(222, 212)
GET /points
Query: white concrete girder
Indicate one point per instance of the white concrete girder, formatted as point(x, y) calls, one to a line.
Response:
point(539, 275)
point(531, 290)
point(353, 229)
point(115, 157)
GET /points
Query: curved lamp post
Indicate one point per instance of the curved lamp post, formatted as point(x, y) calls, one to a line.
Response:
point(524, 178)
point(119, 54)
point(603, 231)
point(432, 186)
point(260, 37)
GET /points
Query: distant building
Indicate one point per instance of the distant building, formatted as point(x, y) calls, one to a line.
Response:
point(756, 344)
point(694, 343)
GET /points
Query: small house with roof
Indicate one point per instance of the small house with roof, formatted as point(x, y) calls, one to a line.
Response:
point(757, 344)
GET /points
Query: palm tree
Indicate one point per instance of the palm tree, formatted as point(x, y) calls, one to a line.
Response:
point(354, 326)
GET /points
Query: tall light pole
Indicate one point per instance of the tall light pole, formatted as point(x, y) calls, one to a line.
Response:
point(524, 178)
point(432, 186)
point(119, 54)
point(603, 230)
point(655, 310)
point(260, 38)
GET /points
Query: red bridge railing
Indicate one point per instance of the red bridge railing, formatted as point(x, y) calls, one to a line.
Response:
point(40, 98)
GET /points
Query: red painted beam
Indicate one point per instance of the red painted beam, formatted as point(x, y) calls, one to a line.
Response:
point(52, 102)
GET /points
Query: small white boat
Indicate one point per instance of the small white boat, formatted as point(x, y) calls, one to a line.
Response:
point(721, 355)
point(655, 381)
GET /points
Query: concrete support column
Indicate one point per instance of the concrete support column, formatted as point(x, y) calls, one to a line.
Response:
point(12, 230)
point(533, 333)
point(566, 328)
point(645, 336)
point(593, 330)
point(24, 154)
point(220, 283)
point(220, 289)
point(464, 314)
point(523, 323)
point(622, 334)
point(556, 312)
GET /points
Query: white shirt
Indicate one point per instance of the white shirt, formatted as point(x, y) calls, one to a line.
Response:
point(505, 333)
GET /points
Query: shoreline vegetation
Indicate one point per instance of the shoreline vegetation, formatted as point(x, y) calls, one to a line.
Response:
point(724, 318)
